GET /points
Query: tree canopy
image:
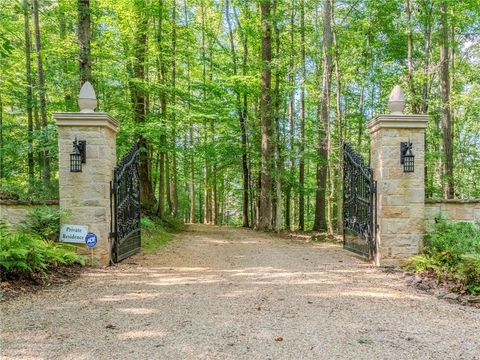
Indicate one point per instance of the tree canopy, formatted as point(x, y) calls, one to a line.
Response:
point(241, 107)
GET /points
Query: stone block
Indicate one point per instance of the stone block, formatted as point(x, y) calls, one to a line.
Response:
point(402, 225)
point(476, 214)
point(415, 195)
point(463, 213)
point(395, 212)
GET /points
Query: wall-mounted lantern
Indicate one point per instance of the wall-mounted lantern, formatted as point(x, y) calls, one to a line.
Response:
point(78, 155)
point(407, 159)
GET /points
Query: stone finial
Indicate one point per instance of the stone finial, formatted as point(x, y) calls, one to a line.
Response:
point(87, 100)
point(396, 101)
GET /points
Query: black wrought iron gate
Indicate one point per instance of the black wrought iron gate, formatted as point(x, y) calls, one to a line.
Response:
point(359, 204)
point(125, 206)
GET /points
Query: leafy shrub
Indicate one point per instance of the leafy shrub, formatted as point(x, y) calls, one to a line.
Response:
point(44, 221)
point(17, 189)
point(147, 223)
point(155, 234)
point(452, 252)
point(172, 223)
point(23, 254)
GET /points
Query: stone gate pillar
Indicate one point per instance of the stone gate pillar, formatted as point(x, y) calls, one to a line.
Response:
point(86, 194)
point(400, 194)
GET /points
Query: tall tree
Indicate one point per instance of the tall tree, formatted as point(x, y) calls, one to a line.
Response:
point(242, 108)
point(301, 167)
point(28, 70)
point(161, 78)
point(339, 117)
point(277, 220)
point(447, 120)
point(41, 93)
point(411, 70)
point(174, 101)
point(265, 210)
point(84, 36)
point(323, 126)
point(291, 119)
point(137, 87)
point(2, 150)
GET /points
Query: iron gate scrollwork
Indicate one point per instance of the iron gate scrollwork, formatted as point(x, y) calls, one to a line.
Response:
point(125, 200)
point(359, 204)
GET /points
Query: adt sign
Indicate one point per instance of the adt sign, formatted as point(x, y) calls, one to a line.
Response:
point(91, 240)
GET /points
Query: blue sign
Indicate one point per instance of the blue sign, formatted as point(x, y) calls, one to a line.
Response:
point(91, 240)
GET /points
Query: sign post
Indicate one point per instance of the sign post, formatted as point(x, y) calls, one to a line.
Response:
point(91, 242)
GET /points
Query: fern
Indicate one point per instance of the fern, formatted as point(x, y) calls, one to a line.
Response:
point(22, 254)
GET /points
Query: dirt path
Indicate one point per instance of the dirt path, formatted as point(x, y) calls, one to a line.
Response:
point(219, 293)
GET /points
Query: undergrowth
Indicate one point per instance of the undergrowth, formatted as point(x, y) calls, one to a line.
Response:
point(44, 221)
point(157, 232)
point(24, 254)
point(452, 252)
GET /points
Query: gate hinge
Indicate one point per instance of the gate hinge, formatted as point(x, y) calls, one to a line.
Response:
point(374, 187)
point(112, 235)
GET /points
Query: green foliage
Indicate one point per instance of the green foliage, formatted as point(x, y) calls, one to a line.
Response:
point(171, 223)
point(154, 234)
point(452, 251)
point(200, 112)
point(44, 221)
point(18, 189)
point(24, 254)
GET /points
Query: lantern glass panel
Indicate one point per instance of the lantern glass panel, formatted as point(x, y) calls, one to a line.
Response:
point(409, 163)
point(75, 162)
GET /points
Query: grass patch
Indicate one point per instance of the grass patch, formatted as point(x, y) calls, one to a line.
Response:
point(156, 233)
point(452, 253)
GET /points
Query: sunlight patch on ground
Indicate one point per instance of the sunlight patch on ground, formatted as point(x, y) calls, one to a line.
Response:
point(139, 334)
point(138, 311)
point(365, 294)
point(129, 296)
point(154, 269)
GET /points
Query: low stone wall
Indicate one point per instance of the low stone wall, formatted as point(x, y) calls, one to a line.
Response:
point(15, 211)
point(451, 209)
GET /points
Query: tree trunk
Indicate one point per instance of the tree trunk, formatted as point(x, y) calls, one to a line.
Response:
point(447, 121)
point(242, 109)
point(2, 154)
point(28, 68)
point(168, 182)
point(192, 177)
point(301, 168)
point(206, 192)
point(147, 197)
point(339, 127)
point(265, 214)
point(174, 100)
point(161, 74)
point(191, 139)
point(411, 83)
point(330, 157)
point(278, 157)
point(41, 92)
point(291, 118)
point(84, 36)
point(319, 223)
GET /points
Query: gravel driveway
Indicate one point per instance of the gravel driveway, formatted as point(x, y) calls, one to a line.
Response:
point(223, 293)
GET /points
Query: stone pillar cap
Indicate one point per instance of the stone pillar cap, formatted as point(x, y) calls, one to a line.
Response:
point(398, 122)
point(86, 119)
point(396, 101)
point(87, 99)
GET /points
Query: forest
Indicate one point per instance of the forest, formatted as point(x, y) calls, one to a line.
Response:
point(240, 107)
